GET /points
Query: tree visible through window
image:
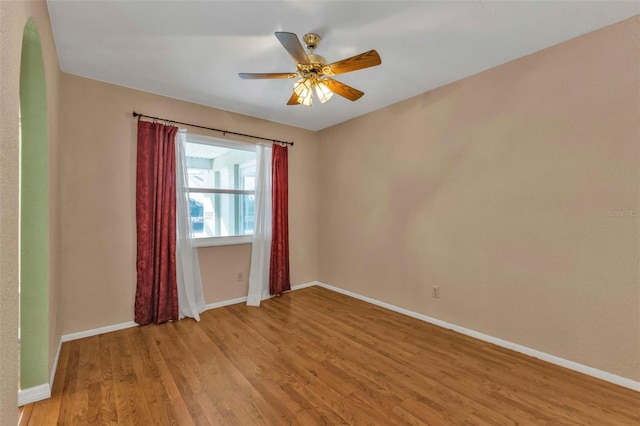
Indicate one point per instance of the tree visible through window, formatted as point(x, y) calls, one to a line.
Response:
point(222, 178)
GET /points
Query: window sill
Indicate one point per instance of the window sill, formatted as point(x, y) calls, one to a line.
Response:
point(223, 241)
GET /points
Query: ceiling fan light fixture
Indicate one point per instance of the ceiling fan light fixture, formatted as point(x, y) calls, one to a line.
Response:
point(314, 71)
point(303, 89)
point(323, 91)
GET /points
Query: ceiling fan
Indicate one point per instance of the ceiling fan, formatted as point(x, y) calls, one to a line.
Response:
point(314, 72)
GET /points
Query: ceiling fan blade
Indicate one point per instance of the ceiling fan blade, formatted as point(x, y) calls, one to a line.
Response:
point(354, 63)
point(253, 76)
point(291, 42)
point(342, 89)
point(293, 100)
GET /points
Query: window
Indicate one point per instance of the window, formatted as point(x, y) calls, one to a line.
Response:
point(222, 178)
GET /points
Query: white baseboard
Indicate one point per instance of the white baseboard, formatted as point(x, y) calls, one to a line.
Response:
point(244, 299)
point(225, 303)
point(33, 394)
point(122, 326)
point(305, 285)
point(96, 331)
point(571, 365)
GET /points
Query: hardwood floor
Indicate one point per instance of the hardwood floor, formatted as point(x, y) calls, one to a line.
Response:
point(315, 357)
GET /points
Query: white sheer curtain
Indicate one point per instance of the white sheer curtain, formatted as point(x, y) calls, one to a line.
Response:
point(261, 248)
point(190, 296)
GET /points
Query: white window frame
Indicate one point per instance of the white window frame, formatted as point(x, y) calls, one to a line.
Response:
point(225, 143)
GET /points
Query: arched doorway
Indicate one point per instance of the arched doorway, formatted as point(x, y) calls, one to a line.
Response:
point(34, 213)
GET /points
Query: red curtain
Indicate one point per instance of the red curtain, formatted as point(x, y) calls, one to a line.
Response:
point(279, 281)
point(157, 291)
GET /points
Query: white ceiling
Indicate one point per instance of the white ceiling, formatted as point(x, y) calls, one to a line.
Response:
point(194, 50)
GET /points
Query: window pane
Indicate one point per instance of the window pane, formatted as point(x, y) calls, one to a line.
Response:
point(221, 215)
point(211, 166)
point(220, 167)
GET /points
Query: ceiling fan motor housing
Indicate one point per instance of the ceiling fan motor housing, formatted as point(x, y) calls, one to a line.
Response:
point(315, 68)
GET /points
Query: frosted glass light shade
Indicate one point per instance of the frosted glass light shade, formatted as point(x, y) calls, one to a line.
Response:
point(302, 88)
point(323, 91)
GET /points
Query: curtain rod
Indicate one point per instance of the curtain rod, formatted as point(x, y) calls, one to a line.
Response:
point(224, 132)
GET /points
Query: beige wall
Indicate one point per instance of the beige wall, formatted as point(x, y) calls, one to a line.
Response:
point(98, 201)
point(13, 17)
point(495, 188)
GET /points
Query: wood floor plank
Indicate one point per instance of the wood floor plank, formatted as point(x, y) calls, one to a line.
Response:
point(159, 389)
point(241, 403)
point(276, 371)
point(25, 415)
point(316, 357)
point(210, 368)
point(130, 402)
point(346, 336)
point(179, 367)
point(80, 399)
point(299, 368)
point(262, 372)
point(72, 368)
point(108, 407)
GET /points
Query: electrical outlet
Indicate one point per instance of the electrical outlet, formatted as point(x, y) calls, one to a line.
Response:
point(435, 292)
point(239, 276)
